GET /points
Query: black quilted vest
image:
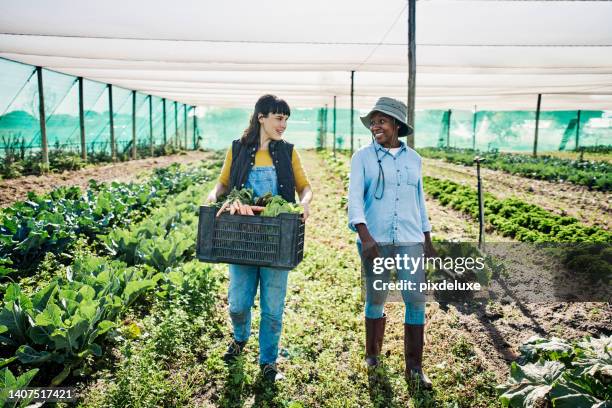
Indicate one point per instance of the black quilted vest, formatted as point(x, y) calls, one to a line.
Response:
point(243, 160)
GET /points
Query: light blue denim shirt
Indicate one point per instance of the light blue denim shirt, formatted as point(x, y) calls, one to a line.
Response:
point(400, 215)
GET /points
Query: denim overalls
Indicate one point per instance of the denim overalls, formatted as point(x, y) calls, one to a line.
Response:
point(272, 283)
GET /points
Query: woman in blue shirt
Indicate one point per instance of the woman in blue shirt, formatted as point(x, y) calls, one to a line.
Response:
point(387, 209)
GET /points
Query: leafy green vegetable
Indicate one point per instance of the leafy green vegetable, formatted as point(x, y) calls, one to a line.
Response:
point(537, 348)
point(63, 320)
point(8, 382)
point(529, 385)
point(264, 199)
point(278, 205)
point(565, 374)
point(245, 196)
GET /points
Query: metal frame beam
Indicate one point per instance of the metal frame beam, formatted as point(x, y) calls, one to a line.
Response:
point(164, 119)
point(411, 68)
point(82, 120)
point(111, 123)
point(537, 126)
point(334, 145)
point(352, 107)
point(134, 150)
point(43, 122)
point(152, 139)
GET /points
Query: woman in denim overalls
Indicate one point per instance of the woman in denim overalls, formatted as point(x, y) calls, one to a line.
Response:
point(263, 162)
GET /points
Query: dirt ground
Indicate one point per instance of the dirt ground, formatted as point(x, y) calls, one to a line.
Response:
point(498, 329)
point(12, 190)
point(590, 207)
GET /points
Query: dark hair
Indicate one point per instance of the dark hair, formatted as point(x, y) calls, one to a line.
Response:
point(265, 105)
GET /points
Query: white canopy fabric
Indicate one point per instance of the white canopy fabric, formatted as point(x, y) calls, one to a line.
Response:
point(492, 54)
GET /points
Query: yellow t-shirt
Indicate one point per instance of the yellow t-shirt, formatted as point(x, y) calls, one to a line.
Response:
point(263, 158)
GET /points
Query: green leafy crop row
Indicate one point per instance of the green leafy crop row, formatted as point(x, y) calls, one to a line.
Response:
point(593, 174)
point(162, 241)
point(52, 222)
point(513, 217)
point(61, 322)
point(65, 321)
point(339, 166)
point(18, 160)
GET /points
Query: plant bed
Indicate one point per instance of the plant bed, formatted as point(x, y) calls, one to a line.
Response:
point(596, 175)
point(555, 372)
point(67, 324)
point(53, 222)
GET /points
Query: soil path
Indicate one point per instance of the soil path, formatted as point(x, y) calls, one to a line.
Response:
point(590, 207)
point(12, 190)
point(498, 330)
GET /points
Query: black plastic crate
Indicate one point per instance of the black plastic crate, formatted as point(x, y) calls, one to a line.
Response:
point(250, 240)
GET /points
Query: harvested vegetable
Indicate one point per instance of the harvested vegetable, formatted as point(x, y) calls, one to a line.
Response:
point(278, 205)
point(264, 199)
point(245, 196)
point(240, 202)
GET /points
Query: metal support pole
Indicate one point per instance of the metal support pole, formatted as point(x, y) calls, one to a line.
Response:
point(111, 123)
point(325, 128)
point(481, 229)
point(82, 120)
point(176, 133)
point(352, 107)
point(448, 125)
point(411, 67)
point(195, 128)
point(164, 119)
point(152, 140)
point(537, 126)
point(577, 143)
point(334, 145)
point(185, 123)
point(474, 121)
point(134, 150)
point(43, 124)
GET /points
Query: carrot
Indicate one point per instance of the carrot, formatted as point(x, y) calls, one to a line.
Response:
point(237, 207)
point(223, 207)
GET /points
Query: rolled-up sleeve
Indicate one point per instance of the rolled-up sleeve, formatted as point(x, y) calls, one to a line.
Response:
point(425, 225)
point(224, 176)
point(356, 205)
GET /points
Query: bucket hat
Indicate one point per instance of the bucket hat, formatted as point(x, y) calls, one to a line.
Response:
point(392, 107)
